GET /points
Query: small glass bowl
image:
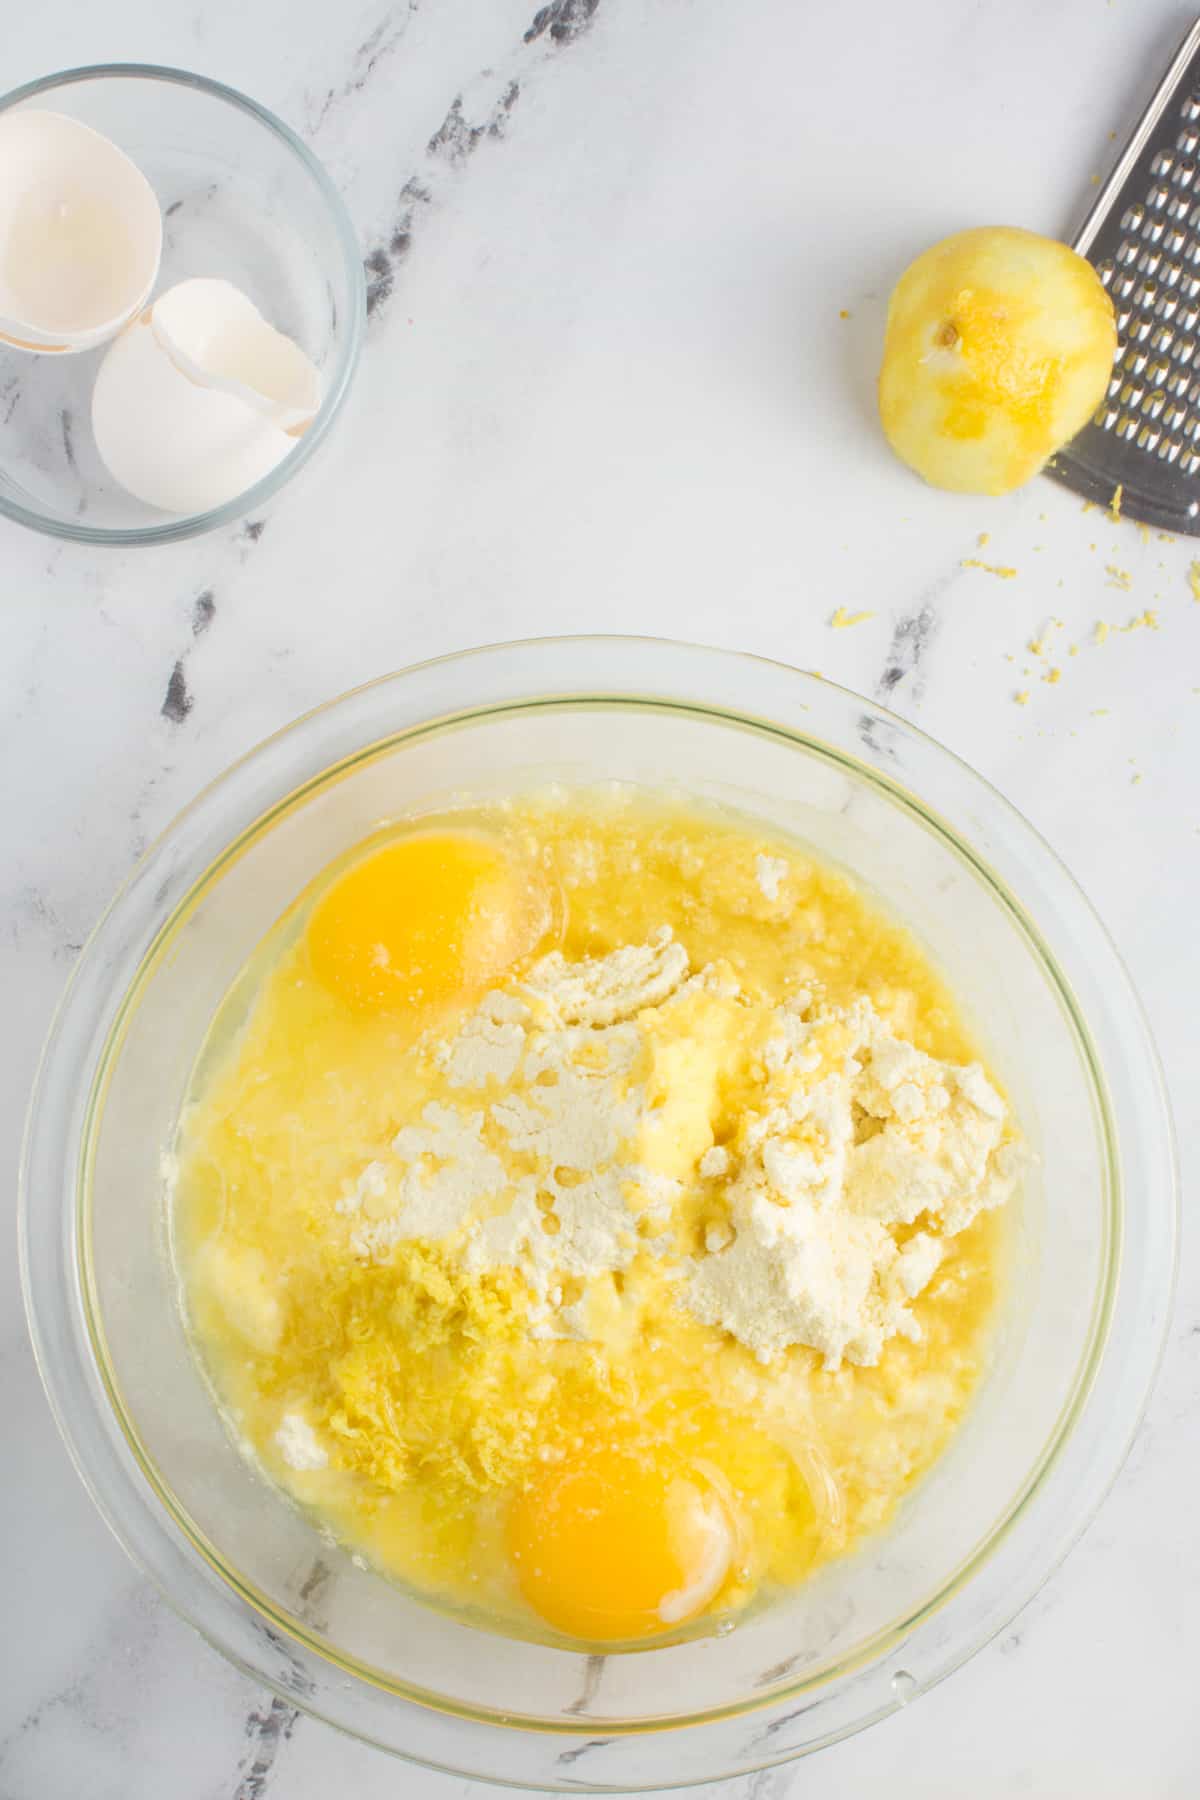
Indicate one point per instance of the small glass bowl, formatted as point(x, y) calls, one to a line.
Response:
point(243, 199)
point(1084, 1317)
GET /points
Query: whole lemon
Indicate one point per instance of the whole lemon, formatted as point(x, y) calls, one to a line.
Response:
point(999, 347)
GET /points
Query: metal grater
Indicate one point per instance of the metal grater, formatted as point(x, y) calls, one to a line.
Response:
point(1143, 238)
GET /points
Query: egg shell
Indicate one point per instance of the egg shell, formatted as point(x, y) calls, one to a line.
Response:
point(216, 336)
point(171, 441)
point(80, 234)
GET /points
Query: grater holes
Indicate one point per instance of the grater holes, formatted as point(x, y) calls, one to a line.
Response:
point(1185, 350)
point(1169, 449)
point(1172, 273)
point(1176, 210)
point(1158, 372)
point(1126, 251)
point(1105, 270)
point(1124, 285)
point(1191, 108)
point(1163, 338)
point(1158, 196)
point(1188, 139)
point(1173, 416)
point(1153, 404)
point(1146, 295)
point(1131, 219)
point(1184, 172)
point(1149, 260)
point(1167, 306)
point(1134, 360)
point(1163, 163)
point(1194, 394)
point(1189, 312)
point(1177, 381)
point(1141, 330)
point(1105, 418)
point(1147, 437)
point(1131, 394)
point(1174, 240)
point(1125, 426)
point(1189, 462)
point(1122, 322)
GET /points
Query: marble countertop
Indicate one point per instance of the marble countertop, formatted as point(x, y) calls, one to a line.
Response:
point(628, 262)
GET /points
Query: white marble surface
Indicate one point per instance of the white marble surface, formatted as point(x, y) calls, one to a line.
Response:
point(607, 384)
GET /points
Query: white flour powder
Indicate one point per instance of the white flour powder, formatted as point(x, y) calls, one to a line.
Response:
point(555, 1160)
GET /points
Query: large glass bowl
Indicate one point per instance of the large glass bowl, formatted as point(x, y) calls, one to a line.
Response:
point(1080, 1338)
point(243, 199)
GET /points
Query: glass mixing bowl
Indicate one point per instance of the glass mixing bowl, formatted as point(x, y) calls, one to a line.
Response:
point(243, 199)
point(1077, 1348)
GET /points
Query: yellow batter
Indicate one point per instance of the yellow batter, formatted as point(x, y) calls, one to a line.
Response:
point(610, 1486)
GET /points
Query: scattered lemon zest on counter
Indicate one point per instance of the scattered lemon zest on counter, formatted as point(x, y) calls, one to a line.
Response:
point(1114, 505)
point(845, 313)
point(1000, 569)
point(1134, 779)
point(1194, 579)
point(1022, 698)
point(842, 618)
point(1118, 578)
point(984, 538)
point(1089, 505)
point(1036, 646)
point(1053, 676)
point(1165, 537)
point(1099, 712)
point(1074, 650)
point(1143, 621)
point(1144, 533)
point(1102, 630)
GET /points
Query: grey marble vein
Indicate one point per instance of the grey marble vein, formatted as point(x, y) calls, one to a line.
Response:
point(178, 700)
point(267, 1730)
point(593, 1674)
point(563, 19)
point(204, 611)
point(457, 139)
point(368, 61)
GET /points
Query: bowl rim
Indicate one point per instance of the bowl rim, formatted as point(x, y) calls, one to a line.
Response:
point(583, 691)
point(175, 529)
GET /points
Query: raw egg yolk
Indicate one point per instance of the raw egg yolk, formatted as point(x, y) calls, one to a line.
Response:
point(421, 919)
point(619, 1543)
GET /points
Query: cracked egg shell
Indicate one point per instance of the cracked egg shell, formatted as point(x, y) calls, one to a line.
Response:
point(200, 398)
point(217, 337)
point(80, 234)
